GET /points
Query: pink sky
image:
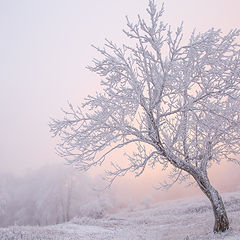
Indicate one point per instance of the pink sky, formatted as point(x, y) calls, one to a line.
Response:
point(45, 47)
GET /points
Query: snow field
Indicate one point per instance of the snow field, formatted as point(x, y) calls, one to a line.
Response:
point(183, 219)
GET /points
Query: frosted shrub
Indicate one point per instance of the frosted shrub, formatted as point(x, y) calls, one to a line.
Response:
point(147, 201)
point(94, 209)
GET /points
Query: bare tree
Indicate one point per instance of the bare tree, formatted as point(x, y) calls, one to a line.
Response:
point(177, 101)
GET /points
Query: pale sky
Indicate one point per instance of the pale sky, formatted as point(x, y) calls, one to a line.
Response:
point(44, 49)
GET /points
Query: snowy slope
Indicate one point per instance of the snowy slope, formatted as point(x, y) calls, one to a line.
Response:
point(190, 218)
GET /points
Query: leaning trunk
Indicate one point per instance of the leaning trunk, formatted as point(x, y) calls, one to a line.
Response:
point(221, 219)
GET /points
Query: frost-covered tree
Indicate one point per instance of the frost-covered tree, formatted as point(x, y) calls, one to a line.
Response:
point(2, 204)
point(177, 101)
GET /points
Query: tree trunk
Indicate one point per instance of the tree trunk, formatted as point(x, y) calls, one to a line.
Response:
point(221, 219)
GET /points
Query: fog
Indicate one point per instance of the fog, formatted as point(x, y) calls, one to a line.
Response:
point(57, 193)
point(45, 47)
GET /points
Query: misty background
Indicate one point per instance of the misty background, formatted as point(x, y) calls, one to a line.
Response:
point(45, 47)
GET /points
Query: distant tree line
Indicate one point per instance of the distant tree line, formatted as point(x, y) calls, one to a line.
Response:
point(49, 195)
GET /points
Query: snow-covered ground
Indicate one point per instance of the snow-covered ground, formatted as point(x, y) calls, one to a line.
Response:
point(182, 219)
